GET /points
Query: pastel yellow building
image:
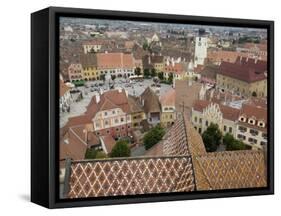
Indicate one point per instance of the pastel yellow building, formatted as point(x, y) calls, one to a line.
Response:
point(89, 65)
point(168, 108)
point(246, 77)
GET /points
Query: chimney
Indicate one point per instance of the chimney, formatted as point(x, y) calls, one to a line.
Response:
point(97, 98)
point(86, 135)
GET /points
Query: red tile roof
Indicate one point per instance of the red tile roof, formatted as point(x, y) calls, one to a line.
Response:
point(244, 69)
point(109, 142)
point(178, 68)
point(229, 113)
point(169, 98)
point(114, 60)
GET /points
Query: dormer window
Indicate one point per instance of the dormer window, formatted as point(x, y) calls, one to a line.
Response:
point(261, 124)
point(251, 121)
point(242, 119)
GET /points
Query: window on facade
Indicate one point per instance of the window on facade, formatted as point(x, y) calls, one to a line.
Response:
point(122, 119)
point(106, 122)
point(200, 120)
point(129, 126)
point(264, 135)
point(200, 130)
point(117, 129)
point(240, 136)
point(263, 143)
point(195, 119)
point(105, 113)
point(224, 128)
point(252, 140)
point(207, 123)
point(254, 132)
point(113, 112)
point(97, 124)
point(242, 129)
point(230, 129)
point(116, 121)
point(107, 131)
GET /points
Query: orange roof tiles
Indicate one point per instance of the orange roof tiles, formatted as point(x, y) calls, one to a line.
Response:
point(169, 98)
point(228, 112)
point(244, 69)
point(114, 60)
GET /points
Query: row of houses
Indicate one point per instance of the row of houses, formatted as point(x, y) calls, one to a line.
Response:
point(242, 76)
point(93, 65)
point(114, 114)
point(248, 123)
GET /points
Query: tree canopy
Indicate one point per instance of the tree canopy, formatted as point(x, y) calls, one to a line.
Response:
point(138, 71)
point(212, 137)
point(121, 149)
point(233, 144)
point(153, 136)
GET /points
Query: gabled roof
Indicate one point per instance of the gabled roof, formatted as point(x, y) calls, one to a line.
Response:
point(109, 100)
point(244, 69)
point(113, 177)
point(150, 101)
point(177, 68)
point(169, 98)
point(186, 167)
point(228, 112)
point(88, 60)
point(108, 142)
point(114, 60)
point(230, 169)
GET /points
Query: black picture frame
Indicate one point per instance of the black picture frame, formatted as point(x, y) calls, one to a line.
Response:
point(45, 115)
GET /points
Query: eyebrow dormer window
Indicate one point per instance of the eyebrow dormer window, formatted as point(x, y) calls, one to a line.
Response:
point(261, 124)
point(242, 119)
point(251, 121)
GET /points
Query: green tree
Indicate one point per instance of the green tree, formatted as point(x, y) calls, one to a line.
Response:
point(161, 76)
point(233, 144)
point(113, 77)
point(145, 45)
point(102, 77)
point(121, 149)
point(212, 137)
point(170, 78)
point(153, 72)
point(146, 72)
point(90, 153)
point(153, 136)
point(138, 71)
point(100, 155)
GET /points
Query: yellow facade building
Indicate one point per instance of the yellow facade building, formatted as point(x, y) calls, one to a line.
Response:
point(245, 77)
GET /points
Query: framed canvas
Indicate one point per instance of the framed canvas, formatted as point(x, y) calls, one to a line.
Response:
point(138, 107)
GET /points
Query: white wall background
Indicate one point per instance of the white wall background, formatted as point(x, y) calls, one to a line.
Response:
point(15, 107)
